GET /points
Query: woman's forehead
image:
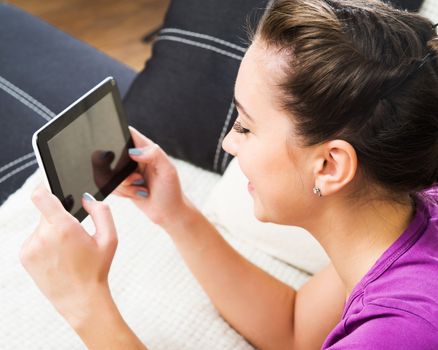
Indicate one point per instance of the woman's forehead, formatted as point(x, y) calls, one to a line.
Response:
point(270, 61)
point(259, 77)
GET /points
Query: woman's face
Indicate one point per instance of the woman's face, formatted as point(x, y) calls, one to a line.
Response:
point(278, 169)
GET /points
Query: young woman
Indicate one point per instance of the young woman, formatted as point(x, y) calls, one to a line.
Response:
point(338, 133)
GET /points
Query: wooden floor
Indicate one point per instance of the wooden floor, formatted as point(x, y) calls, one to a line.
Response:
point(115, 27)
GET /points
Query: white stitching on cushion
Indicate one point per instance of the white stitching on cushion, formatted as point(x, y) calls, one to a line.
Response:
point(215, 49)
point(16, 161)
point(25, 102)
point(221, 138)
point(204, 36)
point(27, 97)
point(201, 45)
point(224, 161)
point(17, 170)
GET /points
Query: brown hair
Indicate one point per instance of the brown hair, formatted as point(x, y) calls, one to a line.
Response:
point(364, 72)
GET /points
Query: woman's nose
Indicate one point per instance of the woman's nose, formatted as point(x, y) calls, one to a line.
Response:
point(229, 144)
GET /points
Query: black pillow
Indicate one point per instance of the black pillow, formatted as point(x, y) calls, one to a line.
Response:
point(42, 71)
point(183, 98)
point(410, 5)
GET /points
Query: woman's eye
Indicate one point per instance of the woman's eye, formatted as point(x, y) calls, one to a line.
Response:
point(237, 127)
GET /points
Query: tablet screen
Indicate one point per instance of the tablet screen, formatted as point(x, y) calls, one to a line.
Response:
point(86, 149)
point(74, 150)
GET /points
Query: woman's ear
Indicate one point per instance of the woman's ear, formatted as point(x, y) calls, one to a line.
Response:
point(336, 166)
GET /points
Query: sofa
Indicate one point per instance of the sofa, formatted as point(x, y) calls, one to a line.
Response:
point(42, 70)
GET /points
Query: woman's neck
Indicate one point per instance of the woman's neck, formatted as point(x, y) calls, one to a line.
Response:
point(355, 238)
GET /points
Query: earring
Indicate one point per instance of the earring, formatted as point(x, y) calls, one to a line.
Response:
point(317, 191)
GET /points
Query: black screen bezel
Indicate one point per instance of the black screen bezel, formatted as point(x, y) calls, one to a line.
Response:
point(66, 118)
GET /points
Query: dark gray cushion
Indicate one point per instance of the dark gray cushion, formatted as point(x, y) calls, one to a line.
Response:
point(42, 71)
point(410, 5)
point(183, 98)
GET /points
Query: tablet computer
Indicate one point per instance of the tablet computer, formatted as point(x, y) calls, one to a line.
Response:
point(85, 148)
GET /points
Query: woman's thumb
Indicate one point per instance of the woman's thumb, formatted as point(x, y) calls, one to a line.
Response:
point(100, 213)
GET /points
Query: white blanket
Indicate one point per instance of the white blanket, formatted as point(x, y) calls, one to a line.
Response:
point(155, 291)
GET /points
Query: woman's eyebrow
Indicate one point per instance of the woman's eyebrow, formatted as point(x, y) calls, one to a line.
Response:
point(239, 106)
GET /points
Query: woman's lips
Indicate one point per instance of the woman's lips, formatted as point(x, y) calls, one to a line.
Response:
point(250, 187)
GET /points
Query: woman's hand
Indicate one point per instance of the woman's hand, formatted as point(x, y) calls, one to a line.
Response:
point(154, 187)
point(68, 265)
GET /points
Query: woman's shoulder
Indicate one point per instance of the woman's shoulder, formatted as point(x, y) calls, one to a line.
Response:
point(430, 196)
point(380, 326)
point(417, 303)
point(427, 202)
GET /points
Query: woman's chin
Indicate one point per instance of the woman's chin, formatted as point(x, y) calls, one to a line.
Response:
point(259, 213)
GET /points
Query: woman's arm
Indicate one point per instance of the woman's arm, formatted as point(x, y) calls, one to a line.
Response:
point(256, 304)
point(101, 326)
point(267, 312)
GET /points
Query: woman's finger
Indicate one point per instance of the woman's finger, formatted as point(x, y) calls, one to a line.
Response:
point(121, 192)
point(31, 245)
point(153, 157)
point(136, 192)
point(103, 220)
point(130, 179)
point(139, 139)
point(49, 205)
point(134, 179)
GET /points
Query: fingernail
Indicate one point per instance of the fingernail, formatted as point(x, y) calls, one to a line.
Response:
point(143, 194)
point(135, 151)
point(138, 182)
point(88, 197)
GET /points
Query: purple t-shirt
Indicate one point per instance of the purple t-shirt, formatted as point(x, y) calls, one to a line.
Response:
point(395, 305)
